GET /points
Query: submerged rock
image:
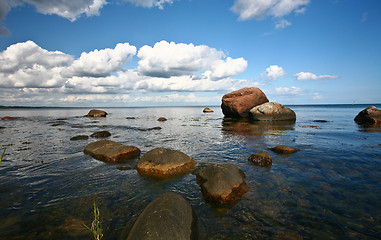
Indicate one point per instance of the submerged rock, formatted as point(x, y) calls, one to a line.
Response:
point(207, 110)
point(239, 103)
point(79, 137)
point(163, 163)
point(96, 113)
point(369, 116)
point(222, 183)
point(272, 111)
point(261, 159)
point(101, 134)
point(167, 217)
point(110, 151)
point(283, 149)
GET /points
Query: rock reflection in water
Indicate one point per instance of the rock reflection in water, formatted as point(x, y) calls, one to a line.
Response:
point(249, 128)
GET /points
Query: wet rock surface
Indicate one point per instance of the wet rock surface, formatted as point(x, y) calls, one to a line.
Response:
point(167, 217)
point(272, 111)
point(222, 183)
point(239, 103)
point(262, 159)
point(96, 113)
point(101, 134)
point(283, 149)
point(110, 151)
point(163, 163)
point(369, 116)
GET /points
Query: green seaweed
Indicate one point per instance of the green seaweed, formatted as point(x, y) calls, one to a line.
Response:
point(96, 228)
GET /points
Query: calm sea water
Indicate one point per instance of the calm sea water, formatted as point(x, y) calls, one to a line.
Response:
point(331, 189)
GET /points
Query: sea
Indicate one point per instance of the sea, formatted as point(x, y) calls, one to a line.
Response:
point(330, 189)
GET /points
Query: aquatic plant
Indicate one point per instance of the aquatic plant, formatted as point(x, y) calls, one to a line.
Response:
point(96, 228)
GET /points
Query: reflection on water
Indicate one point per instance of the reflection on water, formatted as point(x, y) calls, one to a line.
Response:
point(328, 190)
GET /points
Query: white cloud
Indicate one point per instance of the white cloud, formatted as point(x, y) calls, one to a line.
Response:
point(176, 98)
point(316, 96)
point(274, 72)
point(259, 9)
point(282, 24)
point(150, 3)
point(288, 91)
point(170, 59)
point(305, 76)
point(101, 63)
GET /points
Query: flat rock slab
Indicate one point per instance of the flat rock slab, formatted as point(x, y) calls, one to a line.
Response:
point(222, 183)
point(262, 159)
point(163, 163)
point(79, 137)
point(110, 151)
point(272, 111)
point(96, 113)
point(369, 116)
point(101, 134)
point(283, 149)
point(168, 217)
point(239, 103)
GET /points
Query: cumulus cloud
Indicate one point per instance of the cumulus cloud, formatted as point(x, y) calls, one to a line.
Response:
point(259, 9)
point(176, 98)
point(274, 72)
point(305, 76)
point(288, 91)
point(150, 3)
point(170, 59)
point(282, 24)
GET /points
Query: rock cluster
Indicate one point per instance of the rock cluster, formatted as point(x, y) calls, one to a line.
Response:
point(163, 163)
point(369, 116)
point(167, 217)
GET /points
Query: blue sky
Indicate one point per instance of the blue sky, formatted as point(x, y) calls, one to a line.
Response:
point(188, 52)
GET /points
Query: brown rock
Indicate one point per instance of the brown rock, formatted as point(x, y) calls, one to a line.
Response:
point(239, 103)
point(207, 110)
point(283, 149)
point(101, 134)
point(261, 159)
point(6, 118)
point(222, 183)
point(167, 217)
point(96, 113)
point(163, 163)
point(156, 128)
point(369, 116)
point(110, 151)
point(79, 137)
point(272, 111)
point(162, 119)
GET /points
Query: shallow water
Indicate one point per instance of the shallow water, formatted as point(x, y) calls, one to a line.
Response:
point(331, 189)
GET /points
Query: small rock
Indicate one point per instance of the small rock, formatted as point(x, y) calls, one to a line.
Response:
point(320, 121)
point(261, 159)
point(123, 168)
point(6, 118)
point(101, 134)
point(222, 183)
point(163, 163)
point(156, 128)
point(130, 118)
point(369, 116)
point(79, 137)
point(207, 110)
point(110, 151)
point(283, 149)
point(167, 217)
point(161, 119)
point(96, 113)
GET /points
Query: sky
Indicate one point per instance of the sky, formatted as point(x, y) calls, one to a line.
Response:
point(131, 53)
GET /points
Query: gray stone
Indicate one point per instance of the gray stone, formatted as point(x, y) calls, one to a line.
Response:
point(272, 111)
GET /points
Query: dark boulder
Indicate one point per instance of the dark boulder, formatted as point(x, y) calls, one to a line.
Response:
point(207, 110)
point(369, 116)
point(79, 137)
point(222, 183)
point(283, 149)
point(96, 113)
point(262, 159)
point(163, 163)
point(239, 103)
point(272, 111)
point(168, 217)
point(110, 151)
point(101, 134)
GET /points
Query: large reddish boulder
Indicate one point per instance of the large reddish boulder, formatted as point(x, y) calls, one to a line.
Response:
point(222, 183)
point(369, 116)
point(110, 151)
point(239, 103)
point(162, 163)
